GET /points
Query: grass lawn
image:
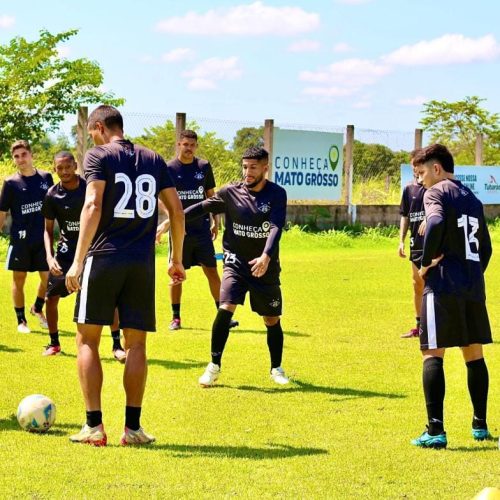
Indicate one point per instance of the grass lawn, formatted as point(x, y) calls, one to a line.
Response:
point(341, 429)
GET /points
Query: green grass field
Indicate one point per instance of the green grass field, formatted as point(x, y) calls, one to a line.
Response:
point(340, 430)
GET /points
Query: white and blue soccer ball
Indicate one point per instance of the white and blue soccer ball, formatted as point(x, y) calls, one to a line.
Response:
point(36, 413)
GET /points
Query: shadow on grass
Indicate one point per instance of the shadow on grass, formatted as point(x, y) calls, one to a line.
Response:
point(6, 348)
point(238, 452)
point(345, 392)
point(475, 449)
point(11, 424)
point(176, 365)
point(286, 333)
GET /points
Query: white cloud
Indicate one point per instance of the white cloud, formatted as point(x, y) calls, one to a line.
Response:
point(448, 49)
point(253, 19)
point(205, 74)
point(304, 46)
point(179, 54)
point(146, 59)
point(413, 101)
point(342, 48)
point(7, 21)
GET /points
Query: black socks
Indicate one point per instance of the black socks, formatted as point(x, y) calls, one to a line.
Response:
point(478, 382)
point(275, 344)
point(220, 333)
point(38, 306)
point(434, 390)
point(176, 311)
point(54, 340)
point(116, 339)
point(132, 417)
point(21, 318)
point(94, 418)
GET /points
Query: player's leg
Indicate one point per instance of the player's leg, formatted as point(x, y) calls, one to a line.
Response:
point(51, 308)
point(118, 351)
point(275, 345)
point(175, 300)
point(18, 281)
point(418, 290)
point(39, 263)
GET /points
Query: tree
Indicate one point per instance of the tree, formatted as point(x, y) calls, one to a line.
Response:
point(247, 137)
point(456, 125)
point(38, 87)
point(376, 161)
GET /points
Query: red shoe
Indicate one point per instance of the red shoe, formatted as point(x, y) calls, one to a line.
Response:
point(412, 333)
point(175, 324)
point(51, 350)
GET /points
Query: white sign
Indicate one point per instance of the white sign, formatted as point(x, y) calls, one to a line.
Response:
point(484, 182)
point(308, 164)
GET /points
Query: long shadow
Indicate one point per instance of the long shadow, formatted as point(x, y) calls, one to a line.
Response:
point(474, 449)
point(287, 333)
point(176, 365)
point(345, 392)
point(11, 424)
point(6, 348)
point(238, 452)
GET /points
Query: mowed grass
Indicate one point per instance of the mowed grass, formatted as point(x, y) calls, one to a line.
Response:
point(341, 429)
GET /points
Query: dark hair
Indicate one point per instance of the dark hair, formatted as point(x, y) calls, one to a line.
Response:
point(21, 143)
point(255, 153)
point(64, 154)
point(435, 152)
point(189, 134)
point(414, 153)
point(109, 116)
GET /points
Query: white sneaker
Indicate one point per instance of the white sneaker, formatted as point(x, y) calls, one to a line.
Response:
point(278, 376)
point(211, 374)
point(23, 328)
point(136, 437)
point(41, 317)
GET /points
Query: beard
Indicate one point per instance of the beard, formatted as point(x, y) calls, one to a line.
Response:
point(251, 185)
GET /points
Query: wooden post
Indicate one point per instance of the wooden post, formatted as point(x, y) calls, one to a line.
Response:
point(479, 148)
point(268, 144)
point(348, 173)
point(419, 134)
point(82, 136)
point(180, 125)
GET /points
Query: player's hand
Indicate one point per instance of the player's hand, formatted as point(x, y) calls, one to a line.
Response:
point(176, 272)
point(54, 267)
point(73, 277)
point(162, 228)
point(423, 270)
point(421, 228)
point(259, 265)
point(214, 230)
point(401, 249)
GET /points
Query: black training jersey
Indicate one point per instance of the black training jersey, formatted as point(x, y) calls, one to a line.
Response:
point(134, 176)
point(412, 206)
point(251, 219)
point(192, 181)
point(23, 196)
point(65, 206)
point(464, 240)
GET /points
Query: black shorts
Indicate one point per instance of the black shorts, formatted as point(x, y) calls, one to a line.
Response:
point(198, 250)
point(265, 295)
point(452, 321)
point(416, 257)
point(122, 281)
point(24, 257)
point(56, 286)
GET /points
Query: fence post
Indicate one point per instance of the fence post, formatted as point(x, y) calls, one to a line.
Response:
point(180, 125)
point(348, 173)
point(419, 134)
point(479, 148)
point(268, 144)
point(82, 136)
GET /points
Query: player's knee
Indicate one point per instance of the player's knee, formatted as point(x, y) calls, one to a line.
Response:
point(271, 320)
point(19, 279)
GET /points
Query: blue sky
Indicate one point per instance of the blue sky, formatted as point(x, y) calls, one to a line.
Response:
point(370, 63)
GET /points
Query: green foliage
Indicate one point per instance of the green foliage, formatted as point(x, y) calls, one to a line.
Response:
point(247, 137)
point(456, 125)
point(377, 191)
point(38, 87)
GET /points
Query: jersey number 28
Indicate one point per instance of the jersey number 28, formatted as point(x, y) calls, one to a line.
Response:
point(145, 196)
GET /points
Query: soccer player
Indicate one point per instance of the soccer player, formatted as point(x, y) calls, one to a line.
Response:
point(456, 252)
point(23, 194)
point(64, 203)
point(412, 214)
point(255, 215)
point(194, 181)
point(115, 261)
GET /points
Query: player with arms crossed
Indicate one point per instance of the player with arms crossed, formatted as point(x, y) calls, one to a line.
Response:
point(64, 203)
point(412, 214)
point(457, 249)
point(255, 215)
point(23, 194)
point(116, 263)
point(194, 181)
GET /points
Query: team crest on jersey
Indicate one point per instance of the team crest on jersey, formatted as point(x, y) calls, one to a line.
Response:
point(275, 303)
point(463, 192)
point(264, 208)
point(44, 186)
point(199, 176)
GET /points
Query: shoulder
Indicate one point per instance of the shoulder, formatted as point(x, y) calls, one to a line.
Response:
point(202, 163)
point(53, 189)
point(277, 191)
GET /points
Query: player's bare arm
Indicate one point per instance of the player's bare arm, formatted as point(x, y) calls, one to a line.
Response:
point(170, 199)
point(89, 222)
point(421, 228)
point(214, 218)
point(403, 230)
point(3, 216)
point(48, 240)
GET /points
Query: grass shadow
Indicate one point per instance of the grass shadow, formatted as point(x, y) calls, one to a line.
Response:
point(474, 449)
point(6, 348)
point(176, 365)
point(286, 333)
point(11, 424)
point(272, 452)
point(345, 392)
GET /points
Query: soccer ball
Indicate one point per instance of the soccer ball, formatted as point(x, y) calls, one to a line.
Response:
point(36, 413)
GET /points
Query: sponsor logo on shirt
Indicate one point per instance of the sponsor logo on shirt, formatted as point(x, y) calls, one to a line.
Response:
point(255, 232)
point(192, 194)
point(73, 225)
point(417, 216)
point(30, 208)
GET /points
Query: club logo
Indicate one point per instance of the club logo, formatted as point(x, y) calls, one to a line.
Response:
point(264, 208)
point(199, 176)
point(275, 303)
point(44, 186)
point(333, 156)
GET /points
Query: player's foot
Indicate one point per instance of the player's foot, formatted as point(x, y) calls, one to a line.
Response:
point(94, 436)
point(136, 437)
point(427, 441)
point(233, 323)
point(210, 376)
point(120, 355)
point(175, 324)
point(23, 327)
point(481, 435)
point(278, 376)
point(41, 317)
point(51, 350)
point(412, 333)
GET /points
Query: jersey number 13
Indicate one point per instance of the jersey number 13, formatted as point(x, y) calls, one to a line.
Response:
point(470, 237)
